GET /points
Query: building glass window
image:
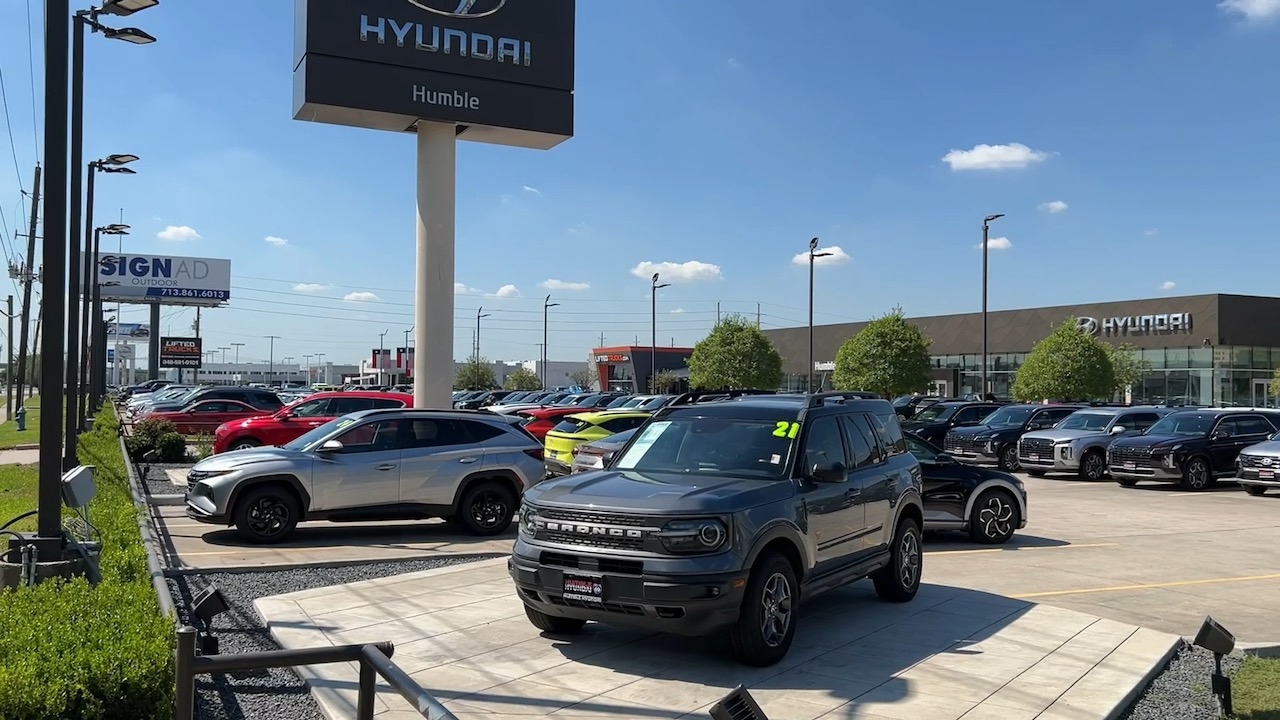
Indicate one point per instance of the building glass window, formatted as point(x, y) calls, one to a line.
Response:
point(1242, 358)
point(1201, 357)
point(1177, 358)
point(1261, 358)
point(1154, 358)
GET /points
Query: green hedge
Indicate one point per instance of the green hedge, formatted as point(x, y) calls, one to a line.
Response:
point(71, 651)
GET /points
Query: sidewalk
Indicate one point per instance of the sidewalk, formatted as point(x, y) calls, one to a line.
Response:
point(951, 653)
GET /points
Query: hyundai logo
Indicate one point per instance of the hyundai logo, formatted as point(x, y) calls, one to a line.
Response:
point(1087, 325)
point(1266, 461)
point(460, 8)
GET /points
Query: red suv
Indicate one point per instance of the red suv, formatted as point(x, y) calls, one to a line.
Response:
point(296, 419)
point(538, 421)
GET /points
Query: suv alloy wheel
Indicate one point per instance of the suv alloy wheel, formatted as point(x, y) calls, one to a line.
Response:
point(1009, 458)
point(1196, 474)
point(995, 516)
point(1093, 466)
point(767, 624)
point(900, 579)
point(487, 508)
point(245, 444)
point(266, 514)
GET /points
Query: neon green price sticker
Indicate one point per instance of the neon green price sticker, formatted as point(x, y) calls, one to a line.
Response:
point(786, 429)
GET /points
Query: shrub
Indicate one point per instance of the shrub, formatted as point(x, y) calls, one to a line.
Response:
point(100, 652)
point(172, 447)
point(153, 434)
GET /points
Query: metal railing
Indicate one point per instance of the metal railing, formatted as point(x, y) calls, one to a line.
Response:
point(374, 659)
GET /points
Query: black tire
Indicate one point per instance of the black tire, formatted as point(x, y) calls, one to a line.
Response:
point(266, 514)
point(995, 517)
point(1093, 466)
point(1126, 482)
point(553, 624)
point(244, 444)
point(1009, 458)
point(487, 508)
point(1036, 473)
point(1196, 474)
point(1256, 490)
point(770, 612)
point(899, 581)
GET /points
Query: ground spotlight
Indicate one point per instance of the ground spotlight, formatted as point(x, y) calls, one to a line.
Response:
point(738, 705)
point(1219, 641)
point(209, 604)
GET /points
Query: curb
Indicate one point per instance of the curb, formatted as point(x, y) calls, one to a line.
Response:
point(1152, 671)
point(1264, 650)
point(22, 446)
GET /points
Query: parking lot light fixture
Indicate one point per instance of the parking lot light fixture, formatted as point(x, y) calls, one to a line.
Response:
point(653, 340)
point(122, 8)
point(117, 159)
point(813, 255)
point(986, 223)
point(546, 305)
point(129, 34)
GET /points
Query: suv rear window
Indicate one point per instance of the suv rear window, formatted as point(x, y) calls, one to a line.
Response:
point(571, 425)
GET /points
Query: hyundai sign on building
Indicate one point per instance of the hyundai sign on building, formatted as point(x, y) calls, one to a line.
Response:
point(502, 70)
point(164, 279)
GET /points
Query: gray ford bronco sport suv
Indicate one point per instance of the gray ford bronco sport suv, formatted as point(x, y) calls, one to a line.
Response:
point(725, 515)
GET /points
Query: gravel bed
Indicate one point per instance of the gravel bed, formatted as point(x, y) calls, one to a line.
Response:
point(1182, 692)
point(268, 694)
point(158, 482)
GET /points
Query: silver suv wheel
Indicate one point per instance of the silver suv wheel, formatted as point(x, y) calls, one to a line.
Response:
point(776, 605)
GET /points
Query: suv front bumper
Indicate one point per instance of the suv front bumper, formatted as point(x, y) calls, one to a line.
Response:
point(972, 457)
point(1054, 460)
point(694, 604)
point(1253, 476)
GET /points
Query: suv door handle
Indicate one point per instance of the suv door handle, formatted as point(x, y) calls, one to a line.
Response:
point(386, 466)
point(853, 492)
point(468, 460)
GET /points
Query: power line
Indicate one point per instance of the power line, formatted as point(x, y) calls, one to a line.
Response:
point(13, 147)
point(31, 67)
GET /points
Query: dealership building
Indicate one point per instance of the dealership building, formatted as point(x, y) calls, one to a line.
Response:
point(1201, 349)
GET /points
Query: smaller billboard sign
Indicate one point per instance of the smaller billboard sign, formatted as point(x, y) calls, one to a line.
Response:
point(180, 352)
point(163, 279)
point(111, 355)
point(124, 351)
point(125, 332)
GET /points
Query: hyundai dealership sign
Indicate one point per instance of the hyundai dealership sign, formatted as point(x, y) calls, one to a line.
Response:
point(502, 70)
point(166, 280)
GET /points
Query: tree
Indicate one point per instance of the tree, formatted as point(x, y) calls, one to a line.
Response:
point(476, 374)
point(522, 379)
point(664, 381)
point(1127, 366)
point(586, 377)
point(889, 356)
point(735, 355)
point(1066, 365)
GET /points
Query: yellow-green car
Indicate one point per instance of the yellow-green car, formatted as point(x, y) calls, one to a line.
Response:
point(584, 427)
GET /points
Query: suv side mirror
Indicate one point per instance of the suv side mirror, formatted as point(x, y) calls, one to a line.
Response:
point(829, 472)
point(1118, 429)
point(331, 446)
point(943, 459)
point(1220, 435)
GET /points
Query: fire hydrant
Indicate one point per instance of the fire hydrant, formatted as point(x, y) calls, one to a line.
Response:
point(21, 417)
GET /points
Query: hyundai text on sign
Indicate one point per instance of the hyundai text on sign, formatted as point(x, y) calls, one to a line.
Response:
point(164, 279)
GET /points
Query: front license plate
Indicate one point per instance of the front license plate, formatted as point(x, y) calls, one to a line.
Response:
point(1266, 474)
point(1033, 458)
point(1129, 466)
point(586, 589)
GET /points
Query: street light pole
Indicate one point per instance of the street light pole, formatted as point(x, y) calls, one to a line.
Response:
point(380, 363)
point(98, 359)
point(271, 358)
point(288, 374)
point(986, 222)
point(813, 255)
point(546, 305)
point(405, 358)
point(653, 340)
point(320, 362)
point(93, 359)
point(307, 359)
point(224, 354)
point(237, 346)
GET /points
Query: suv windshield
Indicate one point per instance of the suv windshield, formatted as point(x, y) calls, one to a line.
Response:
point(1086, 421)
point(308, 440)
point(935, 413)
point(1009, 416)
point(711, 446)
point(1180, 424)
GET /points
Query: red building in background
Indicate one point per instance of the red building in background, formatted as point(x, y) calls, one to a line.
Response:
point(629, 367)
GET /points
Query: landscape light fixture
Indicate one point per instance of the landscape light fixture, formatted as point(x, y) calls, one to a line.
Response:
point(653, 341)
point(737, 705)
point(206, 606)
point(1219, 641)
point(122, 8)
point(986, 222)
point(813, 255)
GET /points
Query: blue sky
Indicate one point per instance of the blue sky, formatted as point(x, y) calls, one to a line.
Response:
point(1131, 145)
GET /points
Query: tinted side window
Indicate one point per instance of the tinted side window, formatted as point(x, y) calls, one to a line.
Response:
point(312, 408)
point(1137, 421)
point(386, 403)
point(822, 444)
point(618, 425)
point(344, 405)
point(862, 443)
point(426, 433)
point(970, 415)
point(478, 431)
point(370, 437)
point(1252, 425)
point(890, 433)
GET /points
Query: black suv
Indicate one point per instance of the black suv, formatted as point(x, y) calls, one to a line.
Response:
point(259, 398)
point(1191, 447)
point(935, 421)
point(995, 441)
point(727, 514)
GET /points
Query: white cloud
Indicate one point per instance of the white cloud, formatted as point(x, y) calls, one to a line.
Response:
point(1252, 9)
point(507, 291)
point(677, 311)
point(997, 243)
point(691, 271)
point(309, 287)
point(1168, 285)
point(995, 157)
point(277, 241)
point(1053, 206)
point(837, 256)
point(554, 284)
point(733, 63)
point(531, 190)
point(463, 289)
point(178, 232)
point(360, 296)
point(580, 227)
point(1151, 232)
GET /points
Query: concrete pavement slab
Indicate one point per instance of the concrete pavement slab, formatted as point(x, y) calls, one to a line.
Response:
point(951, 653)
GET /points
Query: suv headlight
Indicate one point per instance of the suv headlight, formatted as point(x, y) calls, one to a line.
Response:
point(1067, 450)
point(528, 521)
point(693, 536)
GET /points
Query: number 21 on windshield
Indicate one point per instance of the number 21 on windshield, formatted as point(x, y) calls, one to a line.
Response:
point(786, 429)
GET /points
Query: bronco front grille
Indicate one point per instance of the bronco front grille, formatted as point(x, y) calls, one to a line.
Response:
point(593, 518)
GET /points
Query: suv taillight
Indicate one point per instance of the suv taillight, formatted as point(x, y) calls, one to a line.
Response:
point(535, 453)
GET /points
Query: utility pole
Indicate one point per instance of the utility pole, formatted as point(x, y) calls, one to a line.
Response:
point(717, 313)
point(28, 278)
point(8, 368)
point(195, 371)
point(601, 340)
point(237, 346)
point(271, 358)
point(35, 350)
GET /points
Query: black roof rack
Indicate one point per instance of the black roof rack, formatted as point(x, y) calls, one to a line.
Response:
point(701, 396)
point(819, 399)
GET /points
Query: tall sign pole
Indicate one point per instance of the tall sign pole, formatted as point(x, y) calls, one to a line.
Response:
point(492, 71)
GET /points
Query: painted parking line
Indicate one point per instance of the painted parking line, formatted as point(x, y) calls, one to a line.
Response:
point(977, 551)
point(1148, 586)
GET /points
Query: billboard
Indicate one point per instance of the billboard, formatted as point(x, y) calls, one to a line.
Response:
point(502, 70)
point(163, 279)
point(124, 351)
point(180, 352)
point(128, 332)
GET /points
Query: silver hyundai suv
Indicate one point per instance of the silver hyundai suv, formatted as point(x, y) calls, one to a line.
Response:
point(1078, 444)
point(469, 467)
